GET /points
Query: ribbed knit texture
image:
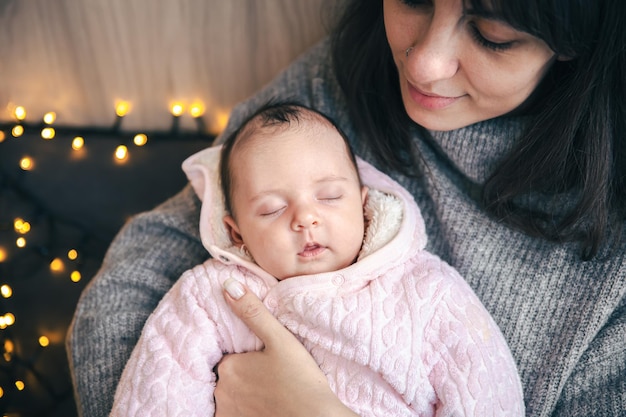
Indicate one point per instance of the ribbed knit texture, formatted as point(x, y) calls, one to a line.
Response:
point(564, 319)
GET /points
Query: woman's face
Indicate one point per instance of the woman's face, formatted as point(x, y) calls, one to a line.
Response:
point(462, 68)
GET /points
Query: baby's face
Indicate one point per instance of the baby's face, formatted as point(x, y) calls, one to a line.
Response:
point(297, 201)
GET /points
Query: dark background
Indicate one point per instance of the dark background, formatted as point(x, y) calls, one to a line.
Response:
point(72, 199)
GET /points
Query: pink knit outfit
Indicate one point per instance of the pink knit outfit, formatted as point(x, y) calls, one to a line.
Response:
point(398, 333)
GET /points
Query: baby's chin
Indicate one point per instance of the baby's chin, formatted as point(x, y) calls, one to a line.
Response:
point(314, 268)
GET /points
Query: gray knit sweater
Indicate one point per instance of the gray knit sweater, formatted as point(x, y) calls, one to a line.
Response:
point(564, 319)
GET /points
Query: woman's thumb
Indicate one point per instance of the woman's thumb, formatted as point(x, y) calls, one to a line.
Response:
point(251, 310)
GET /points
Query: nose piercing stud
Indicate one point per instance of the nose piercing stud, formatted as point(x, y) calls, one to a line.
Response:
point(408, 51)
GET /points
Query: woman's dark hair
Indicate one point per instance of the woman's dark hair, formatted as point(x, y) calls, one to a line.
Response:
point(576, 142)
point(276, 115)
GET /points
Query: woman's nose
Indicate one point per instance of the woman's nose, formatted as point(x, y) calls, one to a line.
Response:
point(434, 56)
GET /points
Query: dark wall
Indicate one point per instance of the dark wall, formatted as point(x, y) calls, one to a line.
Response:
point(72, 200)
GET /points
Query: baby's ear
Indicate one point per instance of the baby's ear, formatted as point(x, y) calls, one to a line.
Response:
point(233, 230)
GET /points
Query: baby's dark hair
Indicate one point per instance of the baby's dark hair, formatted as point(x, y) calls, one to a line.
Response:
point(275, 115)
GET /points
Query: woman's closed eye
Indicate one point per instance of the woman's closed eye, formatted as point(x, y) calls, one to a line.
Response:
point(416, 3)
point(486, 43)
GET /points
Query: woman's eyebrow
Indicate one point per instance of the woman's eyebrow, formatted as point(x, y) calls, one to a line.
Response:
point(484, 14)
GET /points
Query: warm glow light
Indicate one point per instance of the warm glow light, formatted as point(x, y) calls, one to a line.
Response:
point(57, 265)
point(9, 347)
point(2, 136)
point(44, 341)
point(21, 226)
point(19, 385)
point(72, 254)
point(9, 319)
point(121, 153)
point(49, 117)
point(77, 143)
point(17, 131)
point(1, 392)
point(122, 108)
point(20, 242)
point(48, 133)
point(27, 163)
point(5, 321)
point(221, 120)
point(140, 139)
point(75, 276)
point(177, 109)
point(196, 109)
point(20, 113)
point(3, 254)
point(6, 291)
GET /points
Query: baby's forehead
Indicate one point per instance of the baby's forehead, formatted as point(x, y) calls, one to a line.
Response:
point(314, 128)
point(263, 136)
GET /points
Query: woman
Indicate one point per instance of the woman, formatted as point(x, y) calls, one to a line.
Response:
point(506, 121)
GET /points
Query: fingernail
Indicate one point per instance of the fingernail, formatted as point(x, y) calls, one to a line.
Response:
point(234, 288)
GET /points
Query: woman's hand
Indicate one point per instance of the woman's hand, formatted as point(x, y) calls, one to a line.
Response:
point(281, 380)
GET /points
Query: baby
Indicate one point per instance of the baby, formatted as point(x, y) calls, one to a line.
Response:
point(335, 249)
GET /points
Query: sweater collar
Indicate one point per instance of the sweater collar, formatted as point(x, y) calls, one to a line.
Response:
point(476, 150)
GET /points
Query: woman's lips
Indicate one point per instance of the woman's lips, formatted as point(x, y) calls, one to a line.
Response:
point(430, 101)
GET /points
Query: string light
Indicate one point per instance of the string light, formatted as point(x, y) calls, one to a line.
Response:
point(44, 341)
point(78, 142)
point(20, 113)
point(17, 131)
point(122, 108)
point(57, 265)
point(21, 226)
point(48, 133)
point(121, 153)
point(140, 139)
point(6, 291)
point(177, 109)
point(49, 117)
point(196, 110)
point(27, 163)
point(9, 348)
point(75, 276)
point(27, 234)
point(9, 319)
